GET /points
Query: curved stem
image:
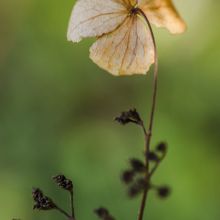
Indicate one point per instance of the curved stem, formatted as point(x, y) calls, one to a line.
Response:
point(153, 170)
point(148, 133)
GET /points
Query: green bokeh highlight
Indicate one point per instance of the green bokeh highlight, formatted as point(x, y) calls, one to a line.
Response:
point(57, 109)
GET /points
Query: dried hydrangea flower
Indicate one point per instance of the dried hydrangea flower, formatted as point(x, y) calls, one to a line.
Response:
point(124, 43)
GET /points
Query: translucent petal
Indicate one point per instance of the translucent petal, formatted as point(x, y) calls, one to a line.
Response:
point(162, 13)
point(92, 18)
point(126, 51)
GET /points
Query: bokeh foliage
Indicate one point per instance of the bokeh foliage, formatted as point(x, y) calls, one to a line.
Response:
point(57, 109)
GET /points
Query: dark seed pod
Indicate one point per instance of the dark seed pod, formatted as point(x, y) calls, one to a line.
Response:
point(63, 182)
point(42, 202)
point(127, 176)
point(152, 156)
point(162, 147)
point(137, 165)
point(142, 183)
point(103, 214)
point(163, 191)
point(131, 116)
point(134, 190)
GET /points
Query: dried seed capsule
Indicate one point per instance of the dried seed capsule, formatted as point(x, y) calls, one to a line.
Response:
point(162, 147)
point(42, 202)
point(127, 176)
point(103, 213)
point(137, 165)
point(63, 182)
point(131, 116)
point(163, 191)
point(152, 156)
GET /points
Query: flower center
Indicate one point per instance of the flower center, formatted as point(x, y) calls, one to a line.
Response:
point(134, 10)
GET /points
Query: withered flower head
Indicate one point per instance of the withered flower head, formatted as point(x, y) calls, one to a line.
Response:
point(131, 116)
point(63, 182)
point(124, 45)
point(42, 202)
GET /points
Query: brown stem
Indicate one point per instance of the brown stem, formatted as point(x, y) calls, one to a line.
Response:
point(153, 170)
point(72, 205)
point(63, 212)
point(148, 133)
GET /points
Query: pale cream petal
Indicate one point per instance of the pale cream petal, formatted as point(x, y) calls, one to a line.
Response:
point(126, 51)
point(92, 18)
point(162, 13)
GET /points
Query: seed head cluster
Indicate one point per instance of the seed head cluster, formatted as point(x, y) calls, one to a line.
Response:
point(130, 116)
point(63, 182)
point(103, 214)
point(138, 176)
point(42, 202)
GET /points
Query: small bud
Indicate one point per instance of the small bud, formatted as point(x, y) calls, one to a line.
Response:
point(139, 185)
point(137, 165)
point(103, 214)
point(163, 192)
point(152, 156)
point(130, 116)
point(162, 147)
point(127, 176)
point(63, 182)
point(142, 183)
point(42, 202)
point(134, 190)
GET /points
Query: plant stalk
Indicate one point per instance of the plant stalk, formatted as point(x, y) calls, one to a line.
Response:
point(72, 205)
point(63, 212)
point(148, 133)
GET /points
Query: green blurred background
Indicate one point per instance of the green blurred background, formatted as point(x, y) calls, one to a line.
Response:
point(57, 109)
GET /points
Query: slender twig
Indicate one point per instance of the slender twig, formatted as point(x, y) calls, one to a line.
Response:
point(72, 205)
point(148, 134)
point(156, 166)
point(63, 212)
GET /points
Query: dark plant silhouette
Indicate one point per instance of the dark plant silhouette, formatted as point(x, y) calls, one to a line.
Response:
point(137, 178)
point(43, 202)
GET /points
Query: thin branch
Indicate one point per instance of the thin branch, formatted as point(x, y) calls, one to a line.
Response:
point(148, 134)
point(156, 166)
point(63, 212)
point(72, 205)
point(144, 129)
